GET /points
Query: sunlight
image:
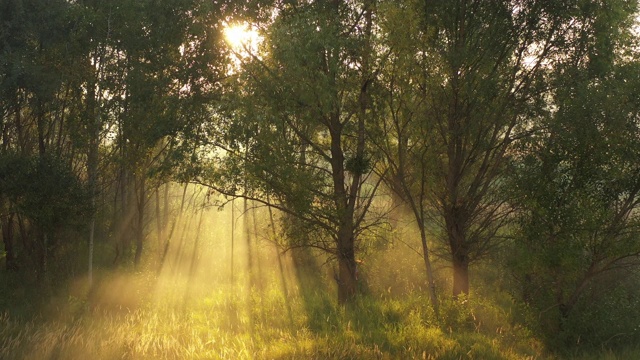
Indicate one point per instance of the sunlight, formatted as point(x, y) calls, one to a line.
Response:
point(243, 41)
point(241, 37)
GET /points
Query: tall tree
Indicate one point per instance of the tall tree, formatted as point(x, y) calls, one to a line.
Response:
point(482, 69)
point(298, 135)
point(37, 85)
point(167, 68)
point(576, 181)
point(402, 137)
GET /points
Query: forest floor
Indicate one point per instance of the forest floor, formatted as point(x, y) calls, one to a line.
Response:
point(156, 315)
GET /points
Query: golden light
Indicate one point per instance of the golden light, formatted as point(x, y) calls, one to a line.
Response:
point(241, 37)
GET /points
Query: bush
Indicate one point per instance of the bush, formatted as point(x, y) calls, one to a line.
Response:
point(606, 319)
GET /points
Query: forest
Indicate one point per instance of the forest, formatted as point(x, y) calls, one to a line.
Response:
point(319, 179)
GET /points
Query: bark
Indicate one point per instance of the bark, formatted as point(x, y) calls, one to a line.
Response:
point(455, 212)
point(258, 258)
point(141, 204)
point(345, 237)
point(347, 271)
point(459, 252)
point(92, 173)
point(160, 227)
point(40, 123)
point(233, 231)
point(247, 234)
point(159, 220)
point(347, 197)
point(416, 202)
point(398, 195)
point(45, 254)
point(27, 244)
point(196, 248)
point(175, 222)
point(427, 263)
point(41, 255)
point(122, 218)
point(11, 262)
point(92, 230)
point(460, 275)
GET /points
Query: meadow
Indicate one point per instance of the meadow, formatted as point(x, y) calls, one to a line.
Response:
point(277, 307)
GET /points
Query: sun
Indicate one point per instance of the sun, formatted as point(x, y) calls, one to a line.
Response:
point(241, 36)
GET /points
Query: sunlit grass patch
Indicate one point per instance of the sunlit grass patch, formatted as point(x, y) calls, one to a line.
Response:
point(169, 315)
point(218, 326)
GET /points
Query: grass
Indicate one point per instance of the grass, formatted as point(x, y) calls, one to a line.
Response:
point(238, 321)
point(234, 321)
point(262, 314)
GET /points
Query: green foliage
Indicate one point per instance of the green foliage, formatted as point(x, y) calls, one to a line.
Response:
point(609, 319)
point(358, 165)
point(44, 190)
point(576, 191)
point(294, 129)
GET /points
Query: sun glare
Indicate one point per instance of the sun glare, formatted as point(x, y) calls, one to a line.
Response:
point(241, 36)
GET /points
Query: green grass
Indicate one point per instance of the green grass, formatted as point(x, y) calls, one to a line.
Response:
point(236, 321)
point(145, 315)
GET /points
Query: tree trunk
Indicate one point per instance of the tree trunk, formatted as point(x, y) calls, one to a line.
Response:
point(40, 123)
point(140, 219)
point(41, 255)
point(92, 230)
point(283, 280)
point(347, 280)
point(176, 221)
point(196, 248)
point(122, 218)
point(45, 255)
point(233, 231)
point(456, 218)
point(93, 115)
point(159, 220)
point(345, 196)
point(247, 234)
point(347, 266)
point(460, 274)
point(459, 256)
point(429, 270)
point(28, 246)
point(7, 237)
point(92, 170)
point(419, 213)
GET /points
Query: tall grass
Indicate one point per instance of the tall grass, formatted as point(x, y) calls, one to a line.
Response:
point(265, 311)
point(239, 321)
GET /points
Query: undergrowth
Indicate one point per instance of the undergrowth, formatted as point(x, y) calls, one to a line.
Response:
point(145, 315)
point(238, 321)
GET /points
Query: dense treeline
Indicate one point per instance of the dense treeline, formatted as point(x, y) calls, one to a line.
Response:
point(507, 130)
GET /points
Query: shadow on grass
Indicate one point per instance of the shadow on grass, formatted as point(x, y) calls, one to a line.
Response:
point(364, 321)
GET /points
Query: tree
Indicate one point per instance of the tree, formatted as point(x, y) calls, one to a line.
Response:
point(402, 138)
point(46, 193)
point(103, 86)
point(575, 180)
point(36, 82)
point(579, 194)
point(297, 139)
point(483, 69)
point(166, 64)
